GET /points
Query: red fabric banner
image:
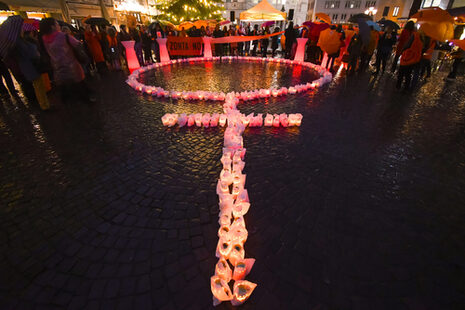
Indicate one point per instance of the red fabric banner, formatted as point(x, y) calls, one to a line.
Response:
point(184, 46)
point(234, 39)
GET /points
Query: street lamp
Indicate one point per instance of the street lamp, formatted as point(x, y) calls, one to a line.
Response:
point(371, 11)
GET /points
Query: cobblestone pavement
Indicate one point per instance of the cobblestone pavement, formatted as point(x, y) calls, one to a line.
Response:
point(363, 207)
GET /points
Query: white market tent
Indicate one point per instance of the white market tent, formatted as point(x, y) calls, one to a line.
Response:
point(263, 11)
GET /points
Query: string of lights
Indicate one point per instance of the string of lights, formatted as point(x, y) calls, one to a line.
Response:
point(177, 11)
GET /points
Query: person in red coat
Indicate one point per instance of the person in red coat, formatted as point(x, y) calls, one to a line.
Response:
point(404, 37)
point(92, 38)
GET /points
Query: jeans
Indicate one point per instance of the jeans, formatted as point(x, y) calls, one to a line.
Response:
point(8, 80)
point(394, 63)
point(405, 73)
point(330, 61)
point(352, 65)
point(264, 46)
point(455, 68)
point(247, 48)
point(425, 67)
point(381, 59)
point(254, 49)
point(365, 61)
point(138, 50)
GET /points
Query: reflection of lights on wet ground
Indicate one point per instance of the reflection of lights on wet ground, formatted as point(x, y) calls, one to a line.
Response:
point(227, 76)
point(232, 194)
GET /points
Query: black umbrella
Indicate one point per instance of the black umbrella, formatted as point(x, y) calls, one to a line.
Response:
point(355, 18)
point(98, 21)
point(9, 34)
point(71, 27)
point(153, 26)
point(364, 31)
point(389, 23)
point(457, 11)
point(4, 7)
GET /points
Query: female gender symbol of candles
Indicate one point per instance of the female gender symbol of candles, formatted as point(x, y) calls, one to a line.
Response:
point(132, 81)
point(232, 266)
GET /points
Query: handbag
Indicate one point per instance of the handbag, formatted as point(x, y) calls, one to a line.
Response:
point(78, 52)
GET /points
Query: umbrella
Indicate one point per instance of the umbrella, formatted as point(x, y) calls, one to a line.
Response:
point(364, 31)
point(98, 21)
point(185, 25)
point(389, 23)
point(374, 25)
point(29, 27)
point(308, 24)
point(436, 23)
point(459, 43)
point(433, 15)
point(9, 33)
point(355, 18)
point(317, 28)
point(4, 7)
point(457, 12)
point(30, 24)
point(205, 23)
point(438, 31)
point(225, 22)
point(167, 24)
point(62, 24)
point(268, 23)
point(324, 17)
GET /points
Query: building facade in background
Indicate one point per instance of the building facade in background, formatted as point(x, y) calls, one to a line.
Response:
point(341, 10)
point(74, 11)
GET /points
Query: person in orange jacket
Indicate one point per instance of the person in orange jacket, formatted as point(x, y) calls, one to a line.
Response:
point(409, 60)
point(428, 48)
point(409, 28)
point(92, 38)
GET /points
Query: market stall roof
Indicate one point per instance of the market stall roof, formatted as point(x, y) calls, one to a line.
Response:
point(262, 12)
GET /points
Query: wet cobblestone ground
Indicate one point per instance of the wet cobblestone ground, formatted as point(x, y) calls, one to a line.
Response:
point(363, 207)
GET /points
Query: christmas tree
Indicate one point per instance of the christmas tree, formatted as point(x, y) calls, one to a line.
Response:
point(177, 11)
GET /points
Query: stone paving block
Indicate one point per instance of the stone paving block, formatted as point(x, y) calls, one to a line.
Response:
point(359, 208)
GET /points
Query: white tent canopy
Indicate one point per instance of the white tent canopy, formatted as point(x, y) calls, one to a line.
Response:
point(263, 11)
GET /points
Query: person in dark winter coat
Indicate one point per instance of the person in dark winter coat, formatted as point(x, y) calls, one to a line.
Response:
point(218, 33)
point(384, 50)
point(291, 39)
point(274, 42)
point(354, 49)
point(255, 32)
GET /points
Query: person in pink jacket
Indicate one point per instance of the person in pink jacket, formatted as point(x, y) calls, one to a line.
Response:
point(68, 74)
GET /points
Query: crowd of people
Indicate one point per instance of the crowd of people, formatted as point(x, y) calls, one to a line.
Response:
point(411, 52)
point(57, 56)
